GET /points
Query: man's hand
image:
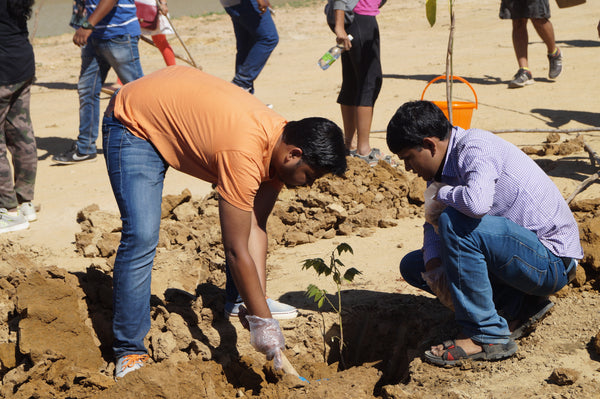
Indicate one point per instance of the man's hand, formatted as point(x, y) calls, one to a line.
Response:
point(433, 207)
point(163, 8)
point(263, 5)
point(81, 36)
point(438, 282)
point(266, 337)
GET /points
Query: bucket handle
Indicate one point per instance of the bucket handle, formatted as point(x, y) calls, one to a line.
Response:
point(453, 78)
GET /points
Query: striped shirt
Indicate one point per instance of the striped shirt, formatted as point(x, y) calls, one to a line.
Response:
point(486, 175)
point(121, 20)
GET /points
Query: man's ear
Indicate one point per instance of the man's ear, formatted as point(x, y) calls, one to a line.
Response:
point(430, 144)
point(294, 153)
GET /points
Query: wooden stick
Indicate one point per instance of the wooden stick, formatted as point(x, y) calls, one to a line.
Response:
point(582, 186)
point(287, 366)
point(183, 44)
point(149, 41)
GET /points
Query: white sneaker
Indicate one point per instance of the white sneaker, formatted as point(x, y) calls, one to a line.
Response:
point(129, 363)
point(12, 221)
point(279, 311)
point(28, 211)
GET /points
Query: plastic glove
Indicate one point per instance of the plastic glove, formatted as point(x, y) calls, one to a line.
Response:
point(437, 281)
point(266, 337)
point(433, 207)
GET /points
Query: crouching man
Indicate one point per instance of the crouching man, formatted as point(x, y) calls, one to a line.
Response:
point(183, 118)
point(498, 237)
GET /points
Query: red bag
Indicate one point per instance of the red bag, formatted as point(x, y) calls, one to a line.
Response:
point(147, 15)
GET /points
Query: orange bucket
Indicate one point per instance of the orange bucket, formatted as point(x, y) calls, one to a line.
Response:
point(462, 111)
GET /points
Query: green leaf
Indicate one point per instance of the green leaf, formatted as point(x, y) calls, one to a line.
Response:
point(321, 301)
point(350, 274)
point(430, 10)
point(343, 247)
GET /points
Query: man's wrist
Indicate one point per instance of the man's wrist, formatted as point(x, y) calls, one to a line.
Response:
point(86, 25)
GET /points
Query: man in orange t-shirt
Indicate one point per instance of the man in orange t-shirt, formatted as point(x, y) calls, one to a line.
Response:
point(211, 129)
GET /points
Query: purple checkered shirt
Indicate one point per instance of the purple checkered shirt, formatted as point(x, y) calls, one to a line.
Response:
point(486, 175)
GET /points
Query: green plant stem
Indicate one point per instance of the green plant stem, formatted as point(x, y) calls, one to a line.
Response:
point(339, 288)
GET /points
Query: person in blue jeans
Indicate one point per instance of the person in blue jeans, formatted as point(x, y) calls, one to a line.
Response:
point(255, 35)
point(498, 238)
point(107, 32)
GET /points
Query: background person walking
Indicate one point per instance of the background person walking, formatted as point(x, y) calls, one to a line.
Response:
point(538, 11)
point(17, 73)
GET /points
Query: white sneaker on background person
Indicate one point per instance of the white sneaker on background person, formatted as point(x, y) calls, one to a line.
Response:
point(12, 221)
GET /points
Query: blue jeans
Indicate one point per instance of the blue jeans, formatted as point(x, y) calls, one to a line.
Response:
point(256, 37)
point(491, 263)
point(97, 57)
point(136, 171)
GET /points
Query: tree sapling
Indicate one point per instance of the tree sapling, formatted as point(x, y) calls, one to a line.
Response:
point(335, 270)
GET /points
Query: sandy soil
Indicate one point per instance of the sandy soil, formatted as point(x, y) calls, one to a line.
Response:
point(55, 281)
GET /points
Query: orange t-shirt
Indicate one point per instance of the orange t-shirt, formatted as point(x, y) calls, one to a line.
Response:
point(205, 127)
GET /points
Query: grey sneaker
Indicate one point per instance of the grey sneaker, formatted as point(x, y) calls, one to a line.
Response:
point(128, 363)
point(12, 221)
point(279, 310)
point(521, 79)
point(28, 211)
point(555, 67)
point(73, 156)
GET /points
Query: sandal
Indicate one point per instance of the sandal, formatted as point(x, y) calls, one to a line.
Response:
point(374, 157)
point(454, 354)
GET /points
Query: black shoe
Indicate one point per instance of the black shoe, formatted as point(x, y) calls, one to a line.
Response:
point(73, 156)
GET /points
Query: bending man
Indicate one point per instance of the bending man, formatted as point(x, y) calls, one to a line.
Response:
point(213, 130)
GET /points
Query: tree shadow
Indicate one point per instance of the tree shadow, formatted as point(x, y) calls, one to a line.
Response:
point(485, 80)
point(560, 117)
point(579, 43)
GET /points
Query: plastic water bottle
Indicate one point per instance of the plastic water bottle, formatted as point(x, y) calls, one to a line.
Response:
point(331, 55)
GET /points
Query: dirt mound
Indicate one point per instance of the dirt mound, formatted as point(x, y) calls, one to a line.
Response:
point(55, 327)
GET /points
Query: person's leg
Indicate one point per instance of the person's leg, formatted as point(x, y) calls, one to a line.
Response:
point(261, 28)
point(93, 73)
point(122, 54)
point(520, 40)
point(243, 43)
point(8, 197)
point(411, 267)
point(475, 249)
point(136, 171)
point(545, 30)
point(20, 141)
point(349, 121)
point(165, 48)
point(364, 118)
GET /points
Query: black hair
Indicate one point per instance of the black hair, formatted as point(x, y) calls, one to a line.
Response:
point(414, 121)
point(20, 9)
point(321, 142)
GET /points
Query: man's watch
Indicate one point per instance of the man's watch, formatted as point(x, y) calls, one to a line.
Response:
point(86, 25)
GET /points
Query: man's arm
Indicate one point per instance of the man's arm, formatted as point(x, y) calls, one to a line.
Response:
point(102, 9)
point(263, 205)
point(235, 228)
